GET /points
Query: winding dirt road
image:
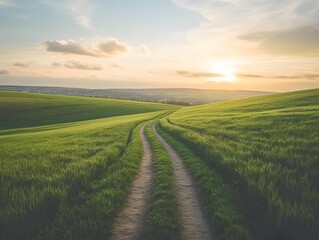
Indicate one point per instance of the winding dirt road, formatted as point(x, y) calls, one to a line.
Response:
point(194, 225)
point(129, 223)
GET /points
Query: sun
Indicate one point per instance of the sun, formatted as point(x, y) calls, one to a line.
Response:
point(226, 70)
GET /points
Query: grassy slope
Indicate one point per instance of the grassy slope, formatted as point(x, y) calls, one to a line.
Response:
point(66, 180)
point(67, 183)
point(219, 202)
point(267, 147)
point(28, 110)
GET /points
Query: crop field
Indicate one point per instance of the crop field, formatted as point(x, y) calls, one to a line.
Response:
point(236, 170)
point(267, 149)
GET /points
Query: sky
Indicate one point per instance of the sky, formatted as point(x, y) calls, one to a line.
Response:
point(266, 45)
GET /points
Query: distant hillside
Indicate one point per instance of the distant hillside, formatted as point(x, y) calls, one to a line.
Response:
point(28, 109)
point(181, 96)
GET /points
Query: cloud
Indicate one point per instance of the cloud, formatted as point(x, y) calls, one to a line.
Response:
point(111, 47)
point(22, 65)
point(66, 46)
point(302, 76)
point(56, 64)
point(247, 75)
point(253, 13)
point(6, 3)
point(108, 48)
point(81, 10)
point(143, 49)
point(223, 21)
point(296, 41)
point(198, 74)
point(4, 72)
point(115, 65)
point(83, 66)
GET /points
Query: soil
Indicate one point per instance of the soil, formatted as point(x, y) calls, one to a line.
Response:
point(194, 225)
point(129, 222)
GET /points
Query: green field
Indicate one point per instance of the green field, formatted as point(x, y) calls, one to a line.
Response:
point(267, 149)
point(67, 180)
point(28, 110)
point(67, 164)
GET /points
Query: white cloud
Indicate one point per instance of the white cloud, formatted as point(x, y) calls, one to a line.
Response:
point(67, 47)
point(108, 48)
point(254, 13)
point(111, 46)
point(83, 66)
point(80, 10)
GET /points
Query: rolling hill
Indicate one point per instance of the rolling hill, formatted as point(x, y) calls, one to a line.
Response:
point(27, 109)
point(267, 149)
point(67, 164)
point(68, 179)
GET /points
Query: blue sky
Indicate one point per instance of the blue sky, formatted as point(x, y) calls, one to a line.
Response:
point(29, 22)
point(225, 44)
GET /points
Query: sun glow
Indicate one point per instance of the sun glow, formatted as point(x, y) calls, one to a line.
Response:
point(226, 70)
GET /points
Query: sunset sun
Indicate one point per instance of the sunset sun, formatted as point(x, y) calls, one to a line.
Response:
point(225, 72)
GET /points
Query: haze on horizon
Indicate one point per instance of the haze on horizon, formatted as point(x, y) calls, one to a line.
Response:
point(270, 45)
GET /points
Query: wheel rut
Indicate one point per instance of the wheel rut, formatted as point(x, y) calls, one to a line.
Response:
point(194, 225)
point(129, 222)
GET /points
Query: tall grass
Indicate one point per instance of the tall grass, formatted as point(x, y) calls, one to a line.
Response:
point(267, 149)
point(67, 182)
point(219, 202)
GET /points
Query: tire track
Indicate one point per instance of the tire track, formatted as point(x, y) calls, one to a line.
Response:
point(194, 225)
point(129, 223)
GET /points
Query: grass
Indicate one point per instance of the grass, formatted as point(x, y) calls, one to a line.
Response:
point(67, 181)
point(162, 216)
point(267, 149)
point(218, 200)
point(21, 110)
point(67, 163)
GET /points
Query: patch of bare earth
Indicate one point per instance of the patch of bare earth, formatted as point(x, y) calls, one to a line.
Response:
point(194, 225)
point(129, 223)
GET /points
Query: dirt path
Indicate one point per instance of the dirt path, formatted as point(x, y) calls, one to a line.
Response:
point(129, 222)
point(194, 225)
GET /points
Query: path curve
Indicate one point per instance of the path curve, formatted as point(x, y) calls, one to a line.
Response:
point(194, 225)
point(129, 223)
